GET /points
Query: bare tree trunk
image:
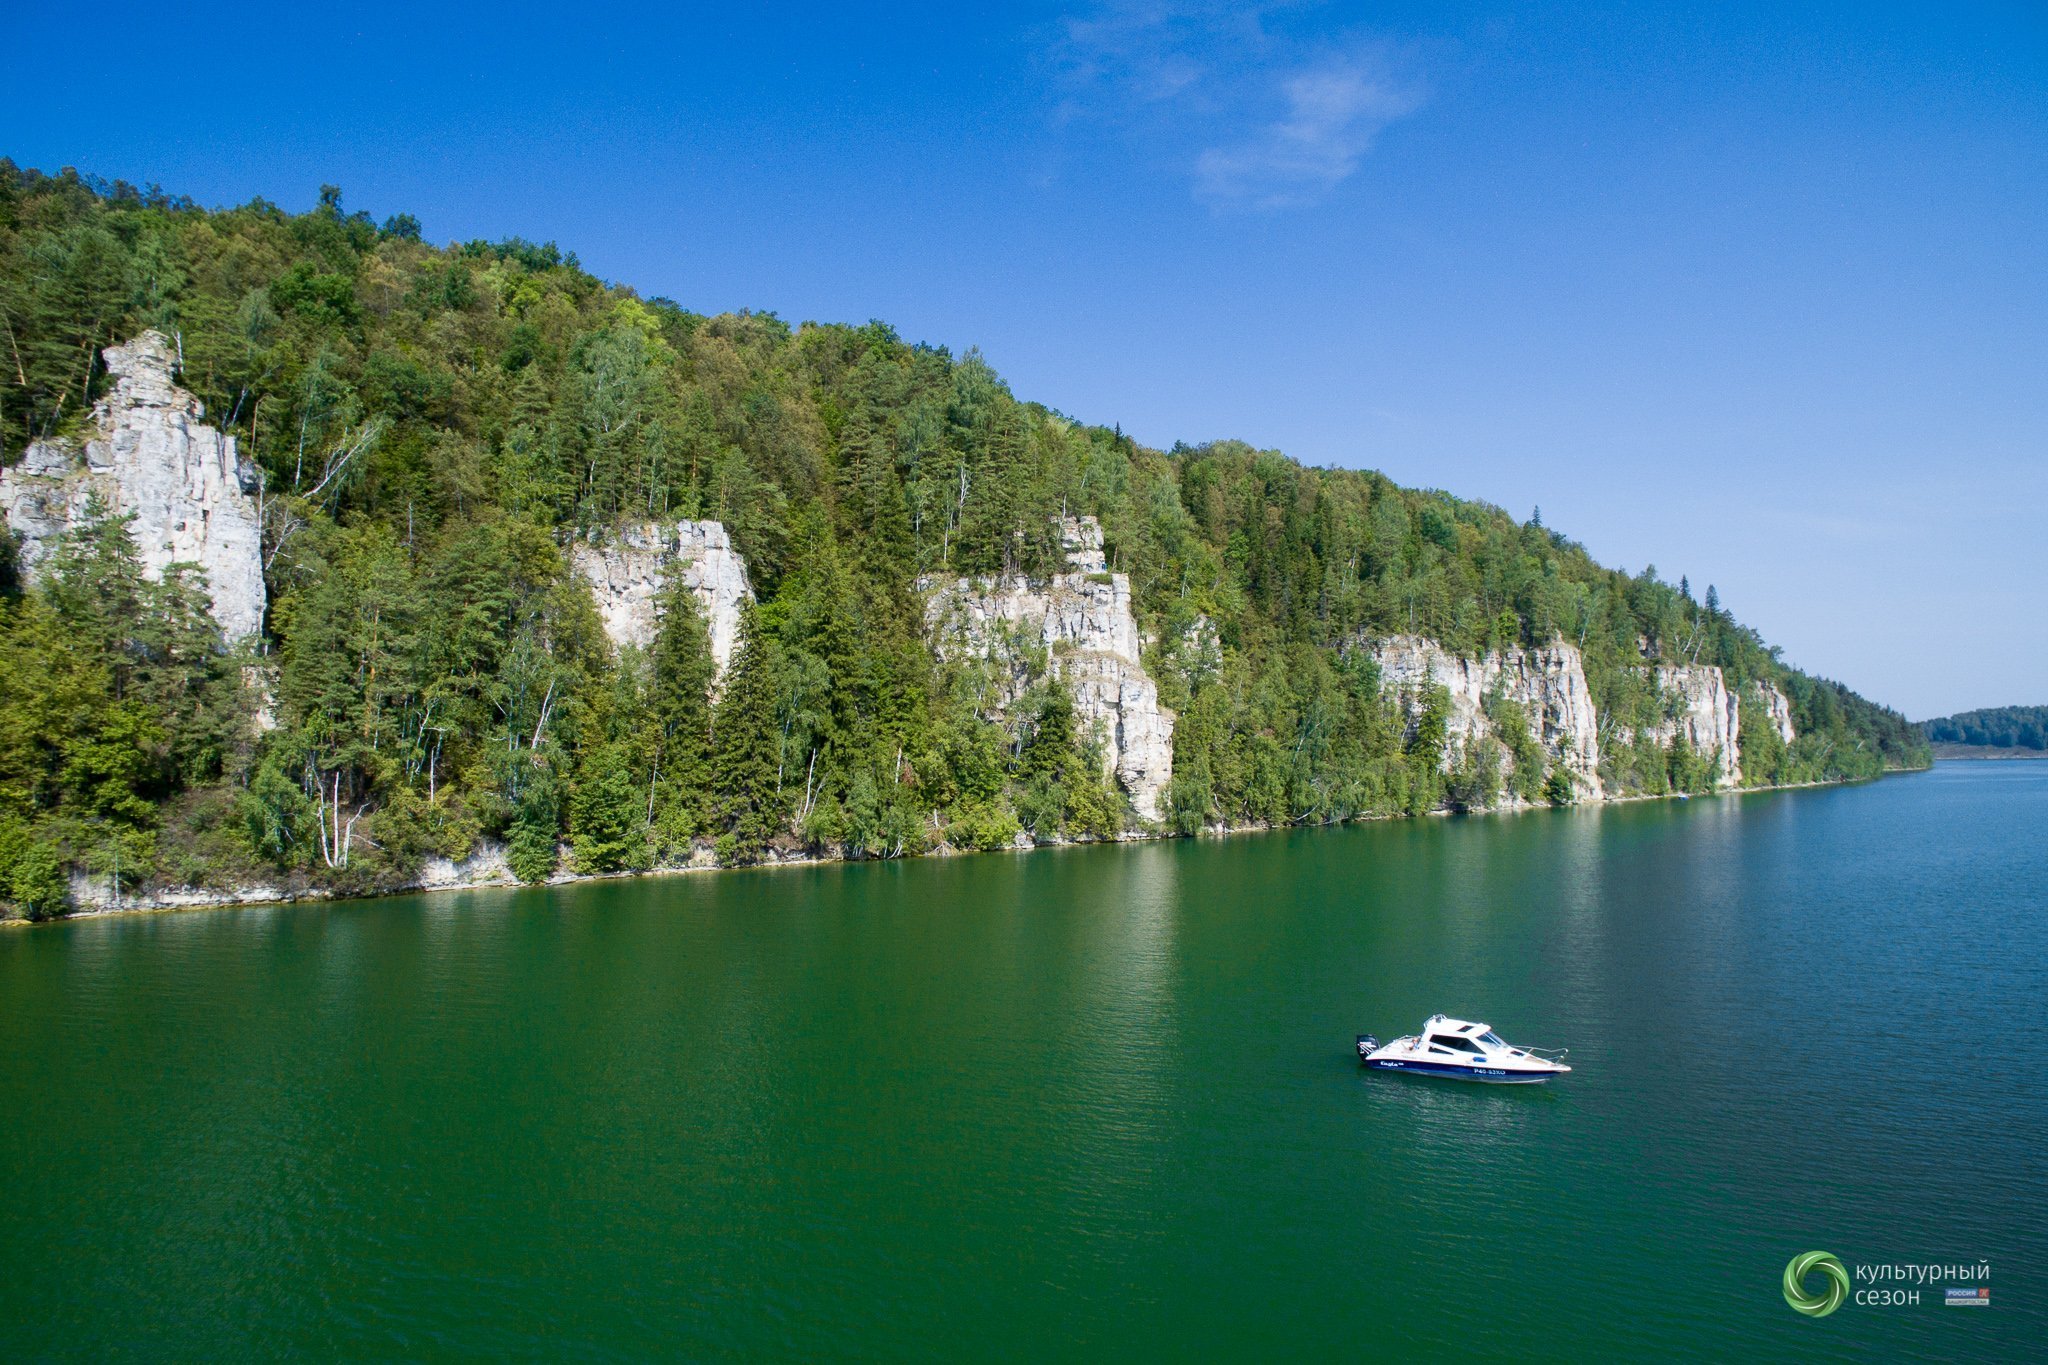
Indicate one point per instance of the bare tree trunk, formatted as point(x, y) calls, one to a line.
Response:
point(20, 372)
point(547, 703)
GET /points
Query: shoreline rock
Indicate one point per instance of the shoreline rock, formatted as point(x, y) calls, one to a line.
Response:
point(169, 900)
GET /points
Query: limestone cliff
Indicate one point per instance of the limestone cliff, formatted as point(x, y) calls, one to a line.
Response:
point(1082, 620)
point(150, 456)
point(628, 568)
point(1549, 683)
point(1699, 706)
point(1778, 707)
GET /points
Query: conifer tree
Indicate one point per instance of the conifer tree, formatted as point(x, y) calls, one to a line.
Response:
point(679, 709)
point(745, 748)
point(607, 827)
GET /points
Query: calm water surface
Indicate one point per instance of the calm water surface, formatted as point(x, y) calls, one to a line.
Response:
point(1093, 1102)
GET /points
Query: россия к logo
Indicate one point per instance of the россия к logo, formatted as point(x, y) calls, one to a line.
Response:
point(1835, 1276)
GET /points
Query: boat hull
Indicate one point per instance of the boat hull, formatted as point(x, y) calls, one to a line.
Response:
point(1485, 1075)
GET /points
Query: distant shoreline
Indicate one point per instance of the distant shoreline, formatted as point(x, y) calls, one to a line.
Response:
point(1973, 753)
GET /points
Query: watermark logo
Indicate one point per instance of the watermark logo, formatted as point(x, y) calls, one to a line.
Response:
point(1834, 1279)
point(1892, 1285)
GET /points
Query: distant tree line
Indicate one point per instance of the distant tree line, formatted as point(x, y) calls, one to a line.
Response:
point(434, 425)
point(1998, 727)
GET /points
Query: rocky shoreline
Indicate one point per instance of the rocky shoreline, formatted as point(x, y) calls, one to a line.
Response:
point(486, 869)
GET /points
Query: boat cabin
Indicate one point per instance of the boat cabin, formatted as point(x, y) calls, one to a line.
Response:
point(1459, 1038)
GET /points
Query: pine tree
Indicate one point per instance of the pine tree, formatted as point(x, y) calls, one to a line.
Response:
point(607, 830)
point(872, 502)
point(679, 709)
point(745, 749)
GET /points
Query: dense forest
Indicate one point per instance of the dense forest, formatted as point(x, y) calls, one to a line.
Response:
point(434, 425)
point(1997, 727)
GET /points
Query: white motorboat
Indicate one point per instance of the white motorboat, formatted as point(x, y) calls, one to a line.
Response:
point(1462, 1051)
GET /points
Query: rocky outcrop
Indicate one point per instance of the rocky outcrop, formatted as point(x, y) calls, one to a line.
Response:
point(486, 865)
point(1699, 706)
point(628, 568)
point(96, 895)
point(1778, 707)
point(151, 457)
point(1549, 683)
point(1083, 623)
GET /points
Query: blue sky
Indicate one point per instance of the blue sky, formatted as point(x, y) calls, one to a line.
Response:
point(1758, 294)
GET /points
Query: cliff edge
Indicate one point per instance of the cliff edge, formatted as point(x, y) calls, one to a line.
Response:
point(151, 457)
point(1084, 622)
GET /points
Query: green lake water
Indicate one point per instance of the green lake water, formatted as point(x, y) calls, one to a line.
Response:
point(1093, 1102)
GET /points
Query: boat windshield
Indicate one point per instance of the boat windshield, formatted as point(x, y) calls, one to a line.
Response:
point(1491, 1039)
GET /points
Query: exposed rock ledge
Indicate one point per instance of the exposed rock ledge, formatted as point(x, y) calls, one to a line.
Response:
point(151, 457)
point(1083, 620)
point(486, 866)
point(1549, 683)
point(628, 568)
point(1778, 707)
point(1704, 711)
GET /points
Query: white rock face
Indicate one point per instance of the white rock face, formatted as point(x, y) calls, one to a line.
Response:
point(1549, 683)
point(485, 866)
point(1081, 538)
point(628, 568)
point(188, 489)
point(1083, 622)
point(1705, 712)
point(1778, 707)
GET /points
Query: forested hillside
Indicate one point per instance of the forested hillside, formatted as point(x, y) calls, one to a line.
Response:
point(435, 426)
point(1997, 727)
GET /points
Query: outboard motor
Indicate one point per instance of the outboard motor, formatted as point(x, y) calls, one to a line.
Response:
point(1367, 1045)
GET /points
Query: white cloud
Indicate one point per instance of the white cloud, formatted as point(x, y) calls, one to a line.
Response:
point(1264, 105)
point(1333, 113)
